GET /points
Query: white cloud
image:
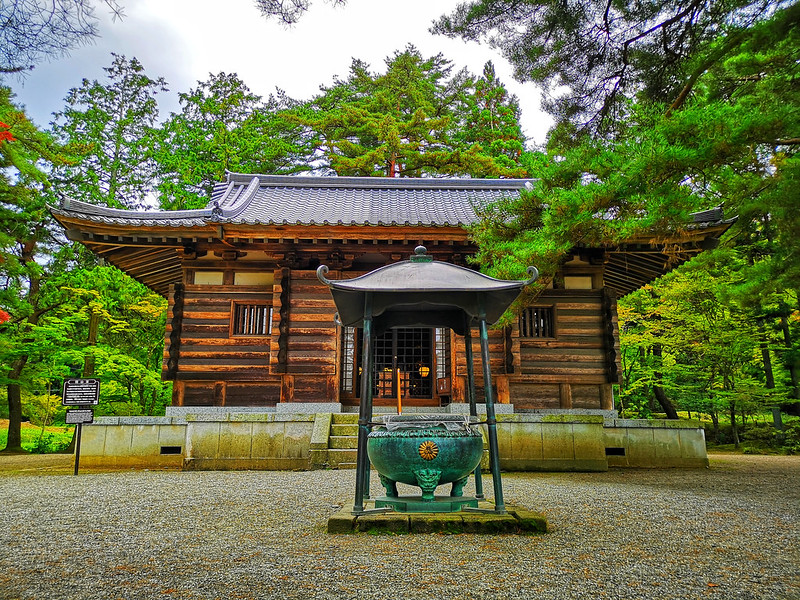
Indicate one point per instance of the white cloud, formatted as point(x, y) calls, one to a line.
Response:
point(185, 40)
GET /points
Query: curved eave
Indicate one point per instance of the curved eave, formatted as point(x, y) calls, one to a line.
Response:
point(637, 263)
point(430, 276)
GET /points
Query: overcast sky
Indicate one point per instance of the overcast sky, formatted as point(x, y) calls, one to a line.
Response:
point(185, 40)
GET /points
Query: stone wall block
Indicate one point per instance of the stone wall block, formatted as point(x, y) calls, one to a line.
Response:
point(118, 441)
point(267, 440)
point(144, 440)
point(297, 439)
point(558, 442)
point(235, 440)
point(93, 440)
point(202, 439)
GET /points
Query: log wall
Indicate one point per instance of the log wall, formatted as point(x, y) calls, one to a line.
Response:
point(211, 365)
point(299, 361)
point(574, 368)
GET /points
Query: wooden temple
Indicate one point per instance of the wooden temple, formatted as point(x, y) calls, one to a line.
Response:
point(251, 325)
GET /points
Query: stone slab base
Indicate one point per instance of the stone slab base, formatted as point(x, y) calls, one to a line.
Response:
point(415, 504)
point(515, 520)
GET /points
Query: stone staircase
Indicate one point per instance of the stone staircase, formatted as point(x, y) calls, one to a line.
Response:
point(343, 441)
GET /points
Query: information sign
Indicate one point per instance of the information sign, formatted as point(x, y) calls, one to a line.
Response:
point(81, 392)
point(76, 416)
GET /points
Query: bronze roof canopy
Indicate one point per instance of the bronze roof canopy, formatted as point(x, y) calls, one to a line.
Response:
point(421, 292)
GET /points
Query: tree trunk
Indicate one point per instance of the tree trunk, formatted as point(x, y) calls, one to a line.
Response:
point(792, 365)
point(766, 358)
point(14, 442)
point(659, 392)
point(715, 422)
point(734, 430)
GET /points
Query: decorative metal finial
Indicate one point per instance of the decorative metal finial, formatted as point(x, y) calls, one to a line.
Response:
point(421, 255)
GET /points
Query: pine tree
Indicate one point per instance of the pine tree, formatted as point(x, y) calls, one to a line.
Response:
point(222, 126)
point(110, 124)
point(405, 122)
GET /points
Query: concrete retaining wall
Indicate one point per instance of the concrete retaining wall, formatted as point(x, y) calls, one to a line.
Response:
point(248, 441)
point(558, 442)
point(274, 441)
point(134, 442)
point(655, 444)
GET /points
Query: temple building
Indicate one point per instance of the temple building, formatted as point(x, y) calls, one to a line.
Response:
point(250, 325)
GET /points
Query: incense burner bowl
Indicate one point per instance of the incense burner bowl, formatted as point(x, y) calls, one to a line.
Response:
point(425, 451)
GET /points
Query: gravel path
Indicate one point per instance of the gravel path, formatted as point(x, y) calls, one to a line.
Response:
point(727, 532)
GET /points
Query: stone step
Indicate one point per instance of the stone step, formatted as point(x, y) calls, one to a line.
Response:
point(342, 442)
point(344, 429)
point(342, 459)
point(344, 418)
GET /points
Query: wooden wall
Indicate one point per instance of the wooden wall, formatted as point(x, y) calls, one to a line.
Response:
point(304, 340)
point(211, 366)
point(574, 368)
point(298, 362)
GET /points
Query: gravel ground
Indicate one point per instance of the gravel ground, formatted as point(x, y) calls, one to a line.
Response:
point(727, 532)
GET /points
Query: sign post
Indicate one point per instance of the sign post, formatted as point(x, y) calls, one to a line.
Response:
point(85, 393)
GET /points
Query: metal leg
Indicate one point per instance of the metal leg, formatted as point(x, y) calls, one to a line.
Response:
point(364, 410)
point(491, 421)
point(473, 408)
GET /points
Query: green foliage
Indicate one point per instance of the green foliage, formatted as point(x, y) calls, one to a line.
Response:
point(34, 439)
point(128, 351)
point(109, 124)
point(43, 409)
point(417, 119)
point(222, 126)
point(594, 57)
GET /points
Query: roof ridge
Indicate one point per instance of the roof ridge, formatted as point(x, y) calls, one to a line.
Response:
point(243, 201)
point(379, 182)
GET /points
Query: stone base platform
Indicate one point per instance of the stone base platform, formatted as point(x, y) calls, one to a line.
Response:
point(440, 504)
point(515, 520)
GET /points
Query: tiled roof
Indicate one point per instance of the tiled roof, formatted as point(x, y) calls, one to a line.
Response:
point(285, 200)
point(117, 216)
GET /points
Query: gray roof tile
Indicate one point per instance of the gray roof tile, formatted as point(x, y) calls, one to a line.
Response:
point(283, 200)
point(320, 201)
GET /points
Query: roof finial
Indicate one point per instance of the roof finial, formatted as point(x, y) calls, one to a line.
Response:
point(420, 255)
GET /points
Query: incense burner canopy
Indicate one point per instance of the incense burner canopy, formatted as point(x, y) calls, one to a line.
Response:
point(421, 292)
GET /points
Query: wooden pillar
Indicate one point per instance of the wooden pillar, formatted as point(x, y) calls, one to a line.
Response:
point(332, 388)
point(607, 396)
point(220, 392)
point(459, 391)
point(283, 323)
point(287, 388)
point(503, 390)
point(565, 395)
point(178, 389)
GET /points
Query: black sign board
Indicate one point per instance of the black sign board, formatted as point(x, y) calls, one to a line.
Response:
point(81, 392)
point(77, 416)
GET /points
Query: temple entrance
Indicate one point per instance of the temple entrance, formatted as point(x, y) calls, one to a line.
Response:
point(413, 362)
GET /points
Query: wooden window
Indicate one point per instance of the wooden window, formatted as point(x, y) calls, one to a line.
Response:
point(251, 319)
point(537, 322)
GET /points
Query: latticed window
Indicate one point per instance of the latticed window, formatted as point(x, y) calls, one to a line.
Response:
point(537, 322)
point(251, 319)
point(442, 353)
point(348, 358)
